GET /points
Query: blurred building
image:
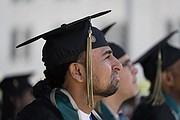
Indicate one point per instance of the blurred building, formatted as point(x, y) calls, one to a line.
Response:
point(23, 19)
point(140, 24)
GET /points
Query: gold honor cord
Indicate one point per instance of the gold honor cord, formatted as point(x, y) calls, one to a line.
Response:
point(90, 100)
point(157, 97)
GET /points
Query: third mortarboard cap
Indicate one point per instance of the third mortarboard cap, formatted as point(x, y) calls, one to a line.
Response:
point(169, 54)
point(157, 59)
point(15, 85)
point(65, 43)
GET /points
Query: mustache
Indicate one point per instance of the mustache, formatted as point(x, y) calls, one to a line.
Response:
point(114, 73)
point(135, 80)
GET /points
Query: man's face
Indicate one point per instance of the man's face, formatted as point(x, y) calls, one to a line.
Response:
point(175, 86)
point(128, 86)
point(105, 70)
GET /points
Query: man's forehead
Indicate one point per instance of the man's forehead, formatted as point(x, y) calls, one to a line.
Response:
point(124, 58)
point(102, 50)
point(176, 64)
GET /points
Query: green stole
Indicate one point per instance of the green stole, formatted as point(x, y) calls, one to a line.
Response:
point(173, 105)
point(65, 106)
point(104, 112)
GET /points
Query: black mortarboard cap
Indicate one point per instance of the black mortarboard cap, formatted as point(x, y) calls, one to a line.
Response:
point(117, 50)
point(65, 43)
point(169, 55)
point(15, 85)
point(106, 29)
point(12, 87)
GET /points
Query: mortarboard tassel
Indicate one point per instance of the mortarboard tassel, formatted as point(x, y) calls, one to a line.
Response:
point(90, 100)
point(157, 97)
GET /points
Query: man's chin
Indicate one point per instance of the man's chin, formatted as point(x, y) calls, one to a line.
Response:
point(112, 92)
point(109, 93)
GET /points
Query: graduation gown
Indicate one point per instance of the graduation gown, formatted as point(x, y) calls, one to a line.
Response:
point(44, 109)
point(145, 111)
point(106, 113)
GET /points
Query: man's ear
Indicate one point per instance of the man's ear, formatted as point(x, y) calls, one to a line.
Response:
point(168, 78)
point(77, 71)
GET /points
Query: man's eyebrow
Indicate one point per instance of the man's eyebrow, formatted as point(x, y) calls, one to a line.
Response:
point(107, 52)
point(127, 61)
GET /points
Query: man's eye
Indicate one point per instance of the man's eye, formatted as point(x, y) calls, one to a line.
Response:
point(125, 64)
point(107, 57)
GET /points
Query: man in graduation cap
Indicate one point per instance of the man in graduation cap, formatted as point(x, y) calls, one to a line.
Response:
point(109, 108)
point(161, 66)
point(80, 70)
point(17, 93)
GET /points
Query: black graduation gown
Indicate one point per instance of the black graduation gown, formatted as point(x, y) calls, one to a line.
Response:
point(146, 111)
point(41, 109)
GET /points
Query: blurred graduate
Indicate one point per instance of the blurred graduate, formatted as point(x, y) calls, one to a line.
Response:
point(161, 65)
point(109, 108)
point(17, 93)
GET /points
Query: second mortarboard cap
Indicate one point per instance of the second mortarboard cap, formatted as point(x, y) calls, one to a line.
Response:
point(117, 50)
point(106, 29)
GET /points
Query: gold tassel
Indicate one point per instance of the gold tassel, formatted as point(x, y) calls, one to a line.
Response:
point(157, 97)
point(90, 100)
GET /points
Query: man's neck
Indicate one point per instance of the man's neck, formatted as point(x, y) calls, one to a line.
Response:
point(113, 103)
point(81, 101)
point(173, 94)
point(176, 98)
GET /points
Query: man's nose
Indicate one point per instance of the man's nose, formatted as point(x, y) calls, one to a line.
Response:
point(117, 66)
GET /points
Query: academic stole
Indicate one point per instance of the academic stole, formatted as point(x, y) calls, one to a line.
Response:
point(65, 106)
point(105, 112)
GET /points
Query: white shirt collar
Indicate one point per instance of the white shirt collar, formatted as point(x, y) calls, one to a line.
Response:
point(84, 115)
